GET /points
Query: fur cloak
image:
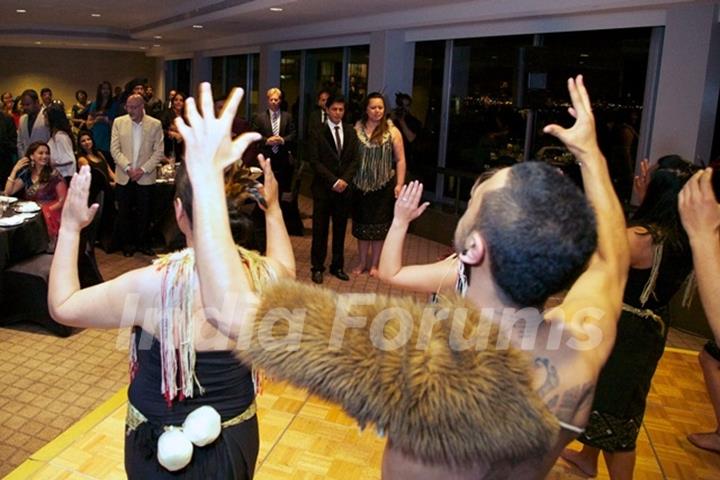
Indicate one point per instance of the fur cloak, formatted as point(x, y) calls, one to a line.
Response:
point(441, 405)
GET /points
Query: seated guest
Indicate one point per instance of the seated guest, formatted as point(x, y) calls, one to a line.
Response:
point(36, 180)
point(103, 179)
point(61, 141)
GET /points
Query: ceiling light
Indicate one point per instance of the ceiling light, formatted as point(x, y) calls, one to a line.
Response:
point(276, 9)
point(158, 37)
point(143, 48)
point(21, 10)
point(38, 43)
point(96, 15)
point(156, 45)
point(198, 27)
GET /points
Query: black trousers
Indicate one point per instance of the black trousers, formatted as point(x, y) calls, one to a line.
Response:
point(336, 206)
point(133, 220)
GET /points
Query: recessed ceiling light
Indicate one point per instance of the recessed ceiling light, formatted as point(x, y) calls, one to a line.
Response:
point(143, 48)
point(21, 10)
point(276, 9)
point(156, 45)
point(158, 37)
point(198, 27)
point(38, 43)
point(95, 15)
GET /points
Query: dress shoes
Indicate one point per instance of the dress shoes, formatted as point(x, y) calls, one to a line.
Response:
point(317, 276)
point(340, 273)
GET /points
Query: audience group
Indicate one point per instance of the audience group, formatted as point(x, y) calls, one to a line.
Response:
point(528, 233)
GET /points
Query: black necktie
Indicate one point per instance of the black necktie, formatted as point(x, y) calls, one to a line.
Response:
point(338, 142)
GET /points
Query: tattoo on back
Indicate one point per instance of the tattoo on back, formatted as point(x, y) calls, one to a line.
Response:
point(551, 376)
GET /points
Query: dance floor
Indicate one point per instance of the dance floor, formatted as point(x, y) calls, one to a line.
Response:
point(62, 404)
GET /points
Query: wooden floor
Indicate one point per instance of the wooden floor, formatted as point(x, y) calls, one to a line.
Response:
point(302, 437)
point(64, 400)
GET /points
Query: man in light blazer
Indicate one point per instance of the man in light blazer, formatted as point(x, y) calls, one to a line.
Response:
point(137, 148)
point(278, 146)
point(334, 155)
point(33, 124)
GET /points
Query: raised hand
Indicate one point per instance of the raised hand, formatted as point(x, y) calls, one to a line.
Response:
point(407, 206)
point(641, 182)
point(270, 186)
point(76, 215)
point(580, 139)
point(209, 147)
point(699, 210)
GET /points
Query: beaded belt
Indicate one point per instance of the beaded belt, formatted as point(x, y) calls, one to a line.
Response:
point(645, 313)
point(135, 418)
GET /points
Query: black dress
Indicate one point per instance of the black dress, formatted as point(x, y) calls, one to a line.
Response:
point(228, 388)
point(624, 382)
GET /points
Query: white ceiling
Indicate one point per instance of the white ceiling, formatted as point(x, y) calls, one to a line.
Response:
point(137, 24)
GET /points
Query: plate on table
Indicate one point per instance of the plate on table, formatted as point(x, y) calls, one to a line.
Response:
point(4, 199)
point(27, 207)
point(11, 221)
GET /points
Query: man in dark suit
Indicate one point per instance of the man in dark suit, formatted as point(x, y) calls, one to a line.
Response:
point(278, 136)
point(333, 152)
point(318, 116)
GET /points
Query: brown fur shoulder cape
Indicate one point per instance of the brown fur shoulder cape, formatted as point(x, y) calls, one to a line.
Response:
point(438, 404)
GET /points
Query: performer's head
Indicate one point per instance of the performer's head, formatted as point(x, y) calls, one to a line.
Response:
point(241, 224)
point(529, 229)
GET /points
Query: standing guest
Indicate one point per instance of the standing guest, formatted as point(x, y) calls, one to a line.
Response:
point(409, 127)
point(333, 154)
point(80, 110)
point(153, 105)
point(179, 361)
point(46, 95)
point(101, 114)
point(168, 103)
point(318, 116)
point(9, 107)
point(33, 125)
point(61, 142)
point(35, 178)
point(88, 154)
point(376, 182)
point(137, 147)
point(173, 140)
point(8, 145)
point(660, 260)
point(278, 136)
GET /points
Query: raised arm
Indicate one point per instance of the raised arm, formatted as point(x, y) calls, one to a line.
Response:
point(428, 278)
point(601, 286)
point(124, 299)
point(209, 148)
point(279, 248)
point(700, 215)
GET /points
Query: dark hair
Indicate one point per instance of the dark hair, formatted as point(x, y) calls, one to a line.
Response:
point(94, 150)
point(30, 93)
point(400, 96)
point(323, 90)
point(77, 93)
point(335, 99)
point(540, 233)
point(57, 119)
point(47, 170)
point(383, 127)
point(658, 212)
point(45, 90)
point(99, 104)
point(241, 225)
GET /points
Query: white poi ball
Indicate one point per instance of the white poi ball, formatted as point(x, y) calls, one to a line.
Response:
point(174, 450)
point(202, 426)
